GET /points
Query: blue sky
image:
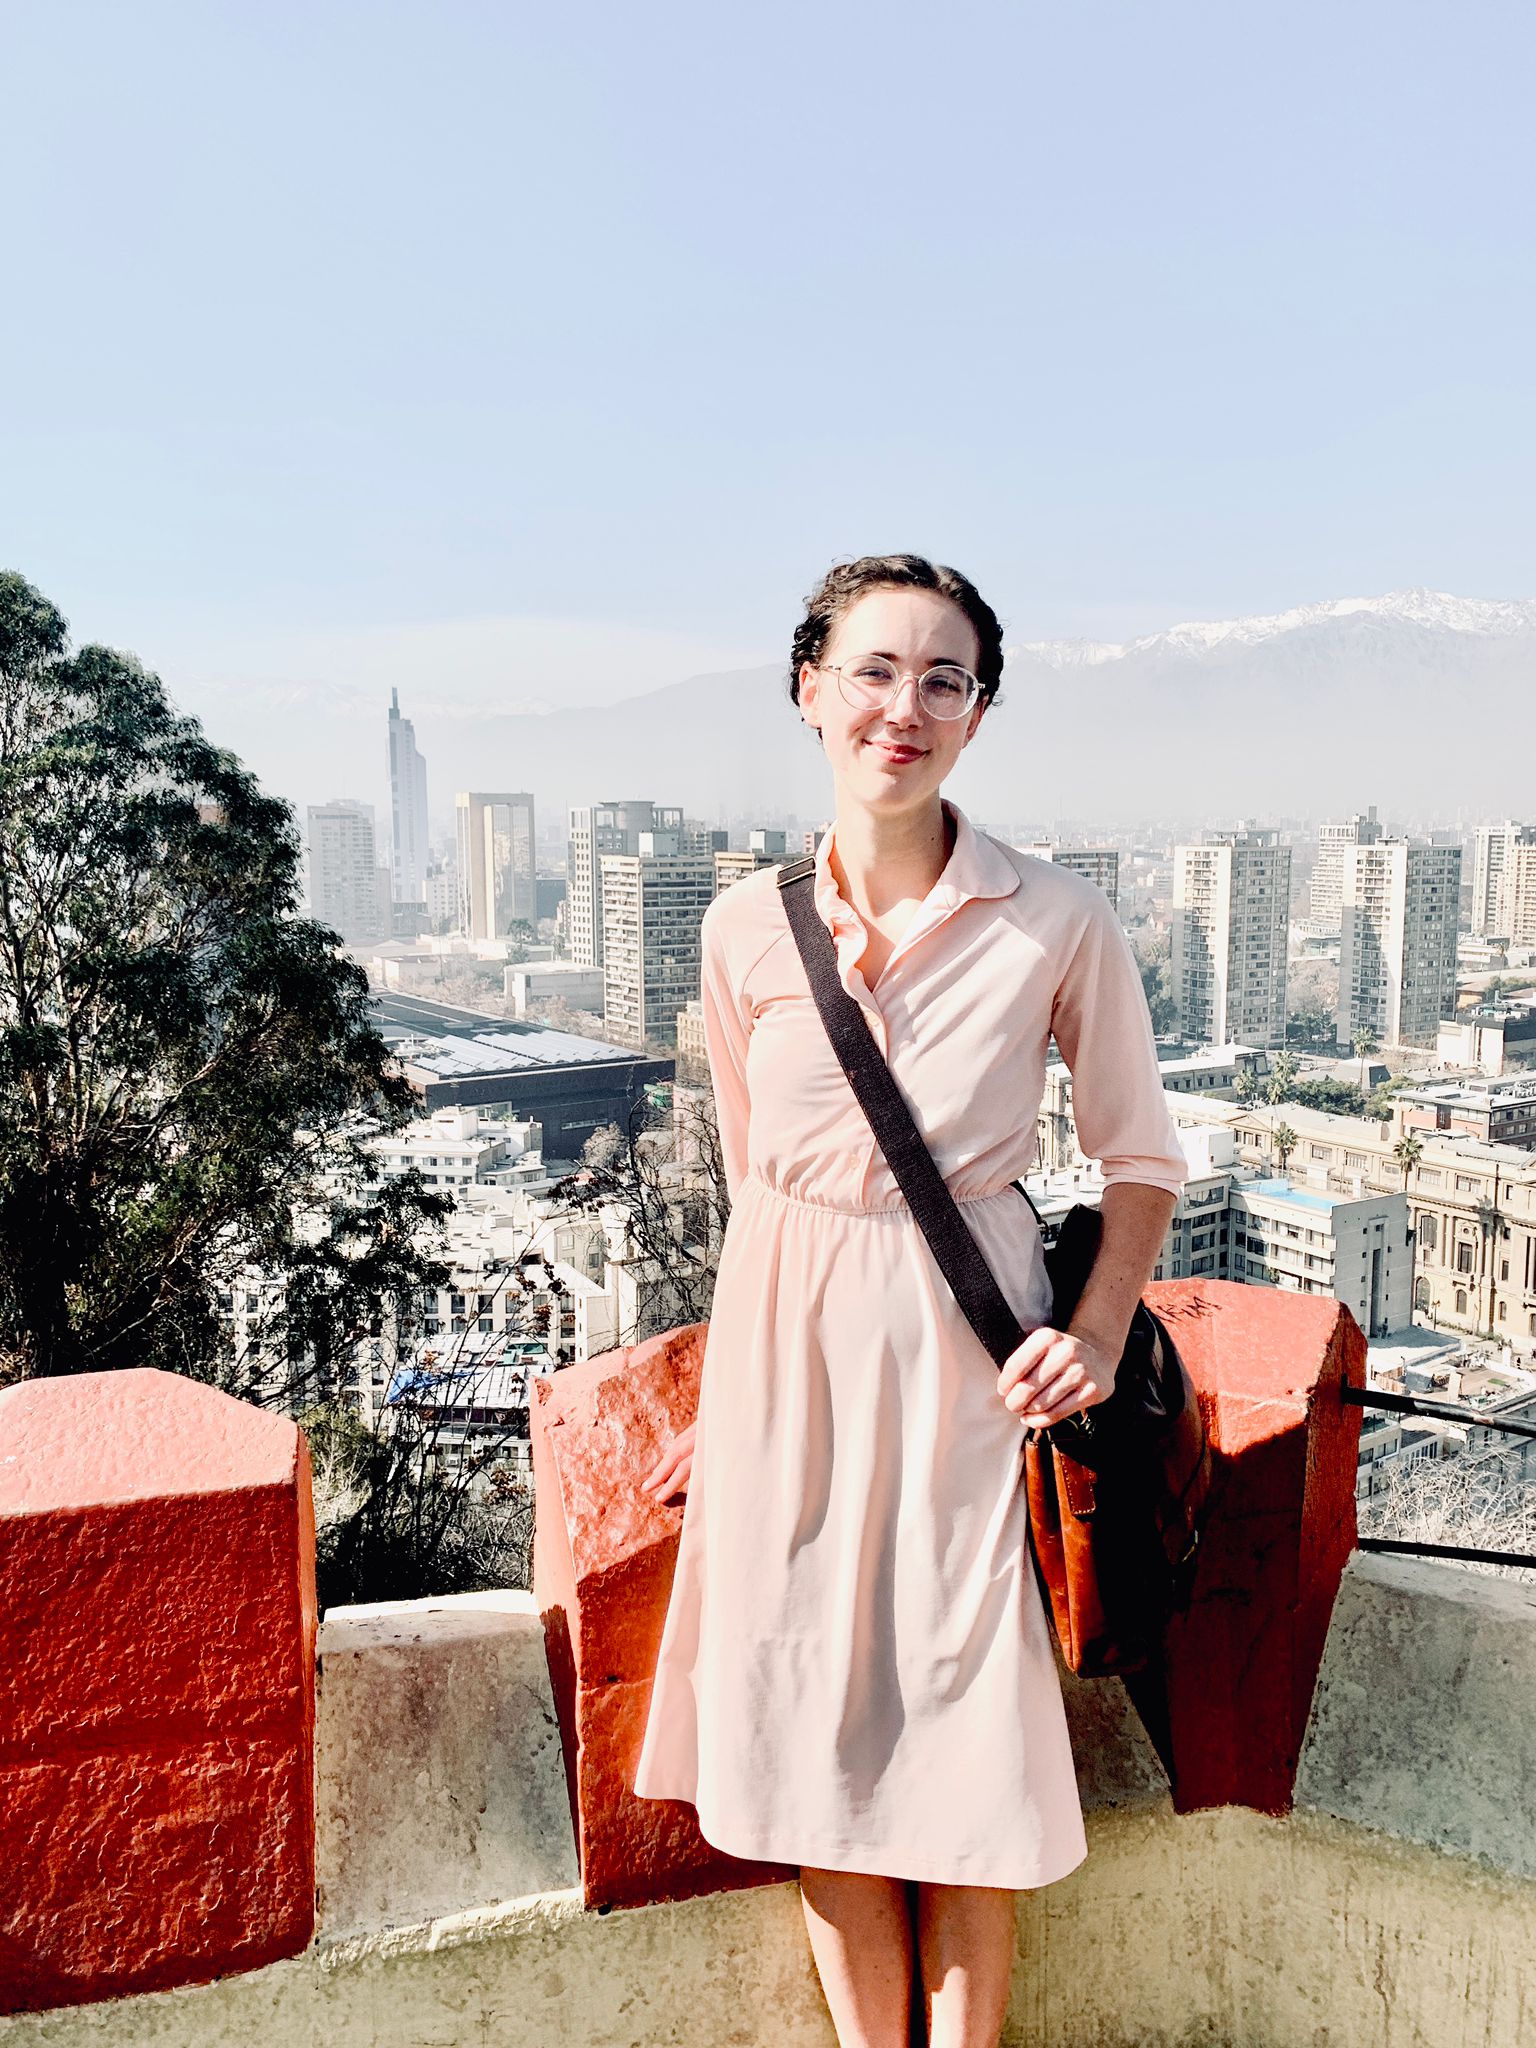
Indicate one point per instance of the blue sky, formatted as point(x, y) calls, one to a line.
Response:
point(535, 353)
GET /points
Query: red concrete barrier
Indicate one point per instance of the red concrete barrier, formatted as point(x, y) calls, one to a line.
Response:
point(602, 1573)
point(1243, 1661)
point(157, 1624)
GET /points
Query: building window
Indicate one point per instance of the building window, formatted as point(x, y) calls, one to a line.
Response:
point(1463, 1258)
point(1461, 1301)
point(1421, 1294)
point(1428, 1232)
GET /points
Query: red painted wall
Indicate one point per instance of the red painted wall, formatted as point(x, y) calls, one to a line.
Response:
point(157, 1625)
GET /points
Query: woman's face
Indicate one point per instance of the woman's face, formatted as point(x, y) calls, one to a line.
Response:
point(896, 756)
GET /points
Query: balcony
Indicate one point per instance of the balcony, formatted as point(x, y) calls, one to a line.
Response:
point(435, 1844)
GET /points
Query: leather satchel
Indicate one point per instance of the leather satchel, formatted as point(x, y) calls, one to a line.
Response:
point(1115, 1494)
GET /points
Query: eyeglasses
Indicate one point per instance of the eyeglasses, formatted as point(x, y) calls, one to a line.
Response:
point(869, 681)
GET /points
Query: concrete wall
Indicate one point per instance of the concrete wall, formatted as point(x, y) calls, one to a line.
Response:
point(1394, 1907)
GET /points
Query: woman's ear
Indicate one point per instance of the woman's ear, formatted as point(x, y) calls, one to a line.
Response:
point(808, 682)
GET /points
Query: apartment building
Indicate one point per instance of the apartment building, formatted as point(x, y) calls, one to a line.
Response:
point(1326, 889)
point(653, 903)
point(1100, 864)
point(348, 890)
point(1494, 877)
point(596, 829)
point(1397, 948)
point(1230, 922)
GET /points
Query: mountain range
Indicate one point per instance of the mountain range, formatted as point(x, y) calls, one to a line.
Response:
point(1421, 702)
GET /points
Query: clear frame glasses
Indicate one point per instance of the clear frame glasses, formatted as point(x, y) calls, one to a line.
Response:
point(868, 681)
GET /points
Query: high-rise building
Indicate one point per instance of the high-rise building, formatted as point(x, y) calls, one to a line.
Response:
point(1495, 855)
point(1231, 918)
point(1100, 864)
point(1520, 890)
point(407, 808)
point(596, 829)
point(345, 890)
point(498, 883)
point(1327, 887)
point(1397, 950)
point(653, 904)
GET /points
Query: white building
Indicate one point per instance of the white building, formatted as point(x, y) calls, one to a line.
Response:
point(549, 980)
point(1397, 951)
point(1231, 918)
point(460, 1148)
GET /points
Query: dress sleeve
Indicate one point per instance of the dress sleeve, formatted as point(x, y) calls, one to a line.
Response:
point(1101, 1022)
point(727, 1026)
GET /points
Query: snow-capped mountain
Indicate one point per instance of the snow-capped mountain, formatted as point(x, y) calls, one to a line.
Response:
point(1420, 702)
point(1436, 610)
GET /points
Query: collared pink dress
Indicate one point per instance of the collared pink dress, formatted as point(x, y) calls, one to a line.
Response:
point(855, 1669)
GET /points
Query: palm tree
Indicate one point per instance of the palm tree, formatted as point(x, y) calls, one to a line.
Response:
point(1282, 1076)
point(1408, 1151)
point(1285, 1141)
point(1366, 1042)
point(1246, 1088)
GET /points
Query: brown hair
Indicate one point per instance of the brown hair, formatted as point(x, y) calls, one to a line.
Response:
point(846, 582)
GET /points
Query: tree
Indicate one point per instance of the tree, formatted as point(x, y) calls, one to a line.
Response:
point(185, 1062)
point(666, 1176)
point(1282, 1076)
point(1408, 1151)
point(1286, 1142)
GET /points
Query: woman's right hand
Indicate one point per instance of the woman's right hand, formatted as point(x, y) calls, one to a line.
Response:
point(670, 1473)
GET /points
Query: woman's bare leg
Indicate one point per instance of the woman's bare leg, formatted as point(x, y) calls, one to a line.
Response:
point(861, 1937)
point(965, 1945)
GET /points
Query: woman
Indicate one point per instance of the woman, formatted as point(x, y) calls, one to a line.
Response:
point(856, 1674)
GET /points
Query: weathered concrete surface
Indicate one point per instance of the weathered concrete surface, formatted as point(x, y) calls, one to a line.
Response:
point(440, 1778)
point(1227, 1929)
point(603, 1556)
point(1243, 1661)
point(1424, 1721)
point(157, 1628)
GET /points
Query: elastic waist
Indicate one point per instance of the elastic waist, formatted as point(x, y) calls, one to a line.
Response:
point(898, 1207)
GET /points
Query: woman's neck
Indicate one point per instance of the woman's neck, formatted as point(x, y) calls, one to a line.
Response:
point(880, 859)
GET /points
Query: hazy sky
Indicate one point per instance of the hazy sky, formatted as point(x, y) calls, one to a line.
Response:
point(547, 354)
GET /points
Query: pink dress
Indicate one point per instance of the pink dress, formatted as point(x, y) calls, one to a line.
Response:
point(855, 1669)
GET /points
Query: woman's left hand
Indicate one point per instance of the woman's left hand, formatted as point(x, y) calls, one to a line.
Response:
point(1054, 1374)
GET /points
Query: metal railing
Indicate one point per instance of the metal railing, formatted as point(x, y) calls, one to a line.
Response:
point(1439, 1411)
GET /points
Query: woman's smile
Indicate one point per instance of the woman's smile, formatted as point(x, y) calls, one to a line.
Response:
point(894, 750)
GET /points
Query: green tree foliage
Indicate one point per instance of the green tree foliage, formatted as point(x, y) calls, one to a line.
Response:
point(184, 1060)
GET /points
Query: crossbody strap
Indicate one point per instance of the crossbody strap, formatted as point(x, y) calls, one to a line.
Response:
point(958, 1255)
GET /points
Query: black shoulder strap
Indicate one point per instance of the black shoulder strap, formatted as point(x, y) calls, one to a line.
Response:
point(959, 1256)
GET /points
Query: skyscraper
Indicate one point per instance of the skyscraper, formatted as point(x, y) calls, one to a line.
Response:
point(1397, 951)
point(497, 875)
point(407, 807)
point(1231, 920)
point(344, 876)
